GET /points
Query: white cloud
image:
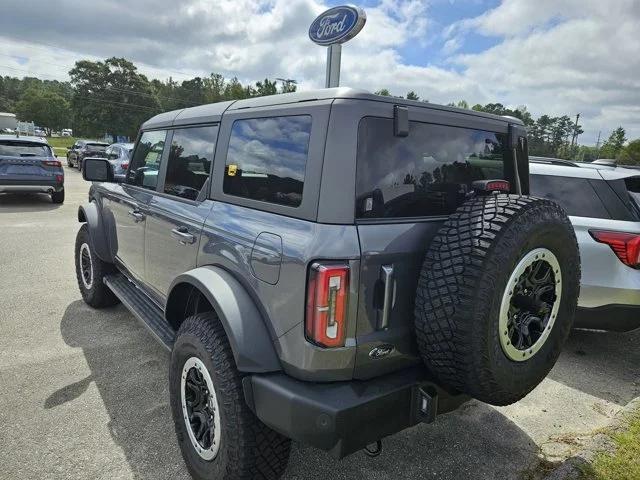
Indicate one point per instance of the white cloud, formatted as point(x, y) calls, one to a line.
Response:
point(555, 56)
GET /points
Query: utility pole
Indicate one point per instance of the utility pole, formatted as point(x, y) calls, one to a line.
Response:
point(598, 145)
point(574, 139)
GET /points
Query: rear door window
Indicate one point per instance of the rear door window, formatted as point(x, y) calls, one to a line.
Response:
point(190, 160)
point(145, 164)
point(428, 173)
point(576, 195)
point(267, 159)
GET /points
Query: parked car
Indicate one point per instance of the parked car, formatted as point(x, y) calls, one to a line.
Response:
point(66, 132)
point(83, 149)
point(119, 155)
point(347, 266)
point(27, 164)
point(603, 202)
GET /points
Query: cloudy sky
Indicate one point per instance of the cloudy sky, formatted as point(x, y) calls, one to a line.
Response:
point(555, 56)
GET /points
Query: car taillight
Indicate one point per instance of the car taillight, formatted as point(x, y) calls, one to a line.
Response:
point(625, 245)
point(124, 166)
point(327, 298)
point(59, 178)
point(52, 163)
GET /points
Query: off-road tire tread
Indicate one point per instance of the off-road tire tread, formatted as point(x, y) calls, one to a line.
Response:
point(450, 287)
point(256, 451)
point(100, 296)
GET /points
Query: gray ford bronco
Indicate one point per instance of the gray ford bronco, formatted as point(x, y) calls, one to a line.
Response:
point(330, 267)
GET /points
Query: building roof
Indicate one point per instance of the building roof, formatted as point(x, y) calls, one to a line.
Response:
point(212, 112)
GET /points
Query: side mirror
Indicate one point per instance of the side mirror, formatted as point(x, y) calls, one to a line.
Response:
point(97, 170)
point(112, 156)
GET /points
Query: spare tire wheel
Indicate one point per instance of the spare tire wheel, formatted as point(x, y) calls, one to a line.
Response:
point(496, 296)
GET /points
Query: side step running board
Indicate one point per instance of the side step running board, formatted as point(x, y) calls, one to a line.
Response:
point(142, 307)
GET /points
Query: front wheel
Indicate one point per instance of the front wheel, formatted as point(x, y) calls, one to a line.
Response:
point(220, 438)
point(90, 273)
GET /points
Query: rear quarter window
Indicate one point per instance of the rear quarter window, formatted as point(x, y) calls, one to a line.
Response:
point(427, 173)
point(576, 195)
point(267, 159)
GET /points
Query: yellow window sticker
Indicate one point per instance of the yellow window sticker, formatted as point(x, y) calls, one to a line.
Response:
point(232, 170)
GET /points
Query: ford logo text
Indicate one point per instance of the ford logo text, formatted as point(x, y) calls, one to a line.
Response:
point(337, 25)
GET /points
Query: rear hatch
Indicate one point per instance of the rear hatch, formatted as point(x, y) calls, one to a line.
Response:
point(27, 162)
point(406, 187)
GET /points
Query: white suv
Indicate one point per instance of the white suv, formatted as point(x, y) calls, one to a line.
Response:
point(603, 203)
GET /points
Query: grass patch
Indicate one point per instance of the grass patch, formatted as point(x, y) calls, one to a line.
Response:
point(61, 144)
point(623, 462)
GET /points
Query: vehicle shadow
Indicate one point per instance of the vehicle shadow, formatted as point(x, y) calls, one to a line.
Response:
point(602, 364)
point(130, 369)
point(26, 202)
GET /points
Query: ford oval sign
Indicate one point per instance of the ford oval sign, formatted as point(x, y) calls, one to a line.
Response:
point(337, 25)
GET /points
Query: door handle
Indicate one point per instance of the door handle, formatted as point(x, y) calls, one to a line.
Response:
point(389, 295)
point(137, 215)
point(183, 236)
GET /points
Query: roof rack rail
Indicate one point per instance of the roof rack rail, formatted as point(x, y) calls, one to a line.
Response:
point(553, 161)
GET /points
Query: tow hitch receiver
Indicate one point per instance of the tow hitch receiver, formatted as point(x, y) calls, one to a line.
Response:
point(424, 405)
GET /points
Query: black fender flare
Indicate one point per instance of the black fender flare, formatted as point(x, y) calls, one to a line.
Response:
point(89, 213)
point(250, 340)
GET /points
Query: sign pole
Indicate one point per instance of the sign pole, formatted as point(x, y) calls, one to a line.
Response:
point(331, 29)
point(334, 56)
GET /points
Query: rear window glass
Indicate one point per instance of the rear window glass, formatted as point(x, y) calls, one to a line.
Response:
point(267, 159)
point(633, 187)
point(96, 146)
point(576, 195)
point(24, 149)
point(428, 173)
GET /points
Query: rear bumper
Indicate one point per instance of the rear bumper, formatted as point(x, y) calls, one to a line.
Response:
point(344, 417)
point(615, 318)
point(26, 188)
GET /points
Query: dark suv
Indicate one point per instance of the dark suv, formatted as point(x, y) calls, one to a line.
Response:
point(83, 149)
point(329, 266)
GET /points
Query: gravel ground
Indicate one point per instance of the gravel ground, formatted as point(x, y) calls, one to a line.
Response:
point(84, 392)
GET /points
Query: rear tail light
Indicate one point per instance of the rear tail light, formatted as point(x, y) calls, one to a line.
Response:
point(125, 166)
point(625, 245)
point(327, 299)
point(59, 178)
point(52, 163)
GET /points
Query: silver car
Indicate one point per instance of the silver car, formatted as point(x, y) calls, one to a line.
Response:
point(603, 201)
point(119, 155)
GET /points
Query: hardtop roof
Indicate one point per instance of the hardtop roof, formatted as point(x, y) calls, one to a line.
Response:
point(213, 111)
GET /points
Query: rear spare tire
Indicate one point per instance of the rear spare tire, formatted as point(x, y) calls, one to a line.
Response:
point(497, 295)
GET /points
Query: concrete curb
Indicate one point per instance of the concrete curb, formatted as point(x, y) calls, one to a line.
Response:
point(571, 468)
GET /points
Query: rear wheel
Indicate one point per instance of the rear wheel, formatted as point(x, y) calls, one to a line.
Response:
point(90, 273)
point(497, 295)
point(58, 197)
point(218, 435)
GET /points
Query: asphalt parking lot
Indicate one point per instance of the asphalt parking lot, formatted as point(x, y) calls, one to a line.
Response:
point(84, 393)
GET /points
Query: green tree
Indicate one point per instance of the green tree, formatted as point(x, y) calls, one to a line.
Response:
point(384, 92)
point(266, 87)
point(630, 154)
point(462, 104)
point(413, 96)
point(614, 144)
point(112, 97)
point(45, 108)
